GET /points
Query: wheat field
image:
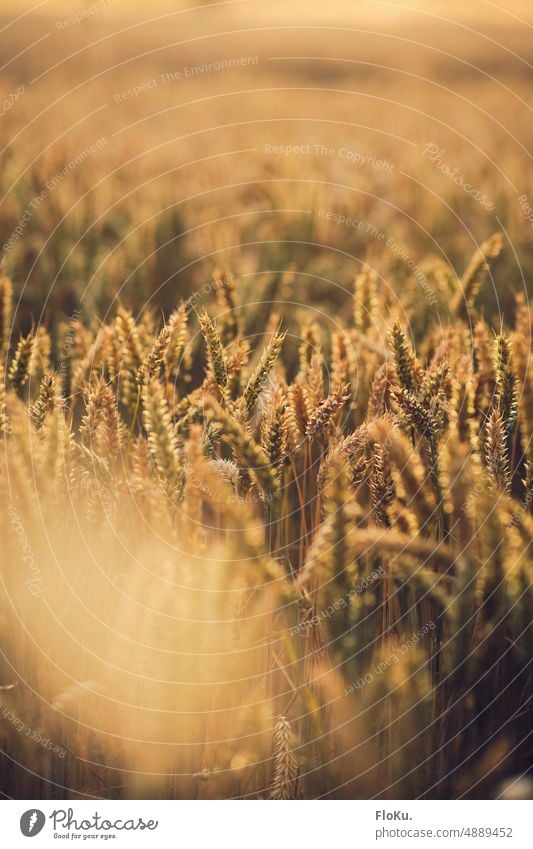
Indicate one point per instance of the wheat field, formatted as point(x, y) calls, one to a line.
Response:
point(266, 401)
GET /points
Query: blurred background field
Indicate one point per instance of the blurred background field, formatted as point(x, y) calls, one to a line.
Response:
point(183, 181)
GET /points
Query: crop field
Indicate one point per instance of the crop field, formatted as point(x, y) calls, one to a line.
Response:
point(266, 400)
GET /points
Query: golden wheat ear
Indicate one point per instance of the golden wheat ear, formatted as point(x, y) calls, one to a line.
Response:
point(6, 313)
point(261, 373)
point(226, 288)
point(380, 398)
point(407, 370)
point(216, 358)
point(101, 426)
point(322, 417)
point(4, 425)
point(382, 489)
point(475, 274)
point(153, 361)
point(310, 345)
point(131, 354)
point(284, 762)
point(505, 394)
point(365, 300)
point(274, 436)
point(246, 448)
point(176, 351)
point(496, 453)
point(162, 440)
